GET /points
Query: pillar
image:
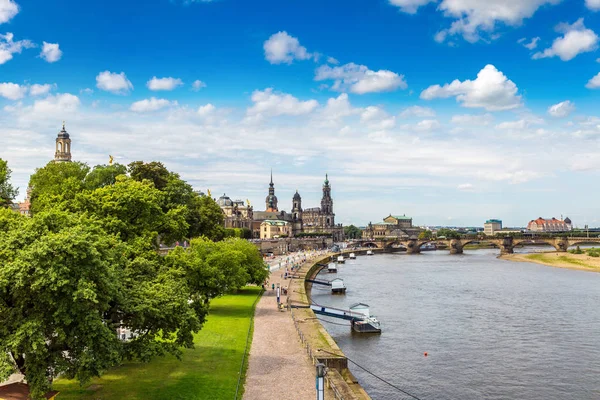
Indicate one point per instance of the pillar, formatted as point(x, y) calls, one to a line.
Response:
point(412, 247)
point(506, 246)
point(456, 246)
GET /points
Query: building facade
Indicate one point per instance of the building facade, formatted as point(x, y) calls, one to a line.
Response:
point(393, 226)
point(550, 225)
point(492, 226)
point(273, 229)
point(236, 213)
point(63, 146)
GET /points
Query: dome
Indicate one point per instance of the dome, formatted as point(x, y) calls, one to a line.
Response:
point(224, 201)
point(567, 220)
point(297, 196)
point(63, 134)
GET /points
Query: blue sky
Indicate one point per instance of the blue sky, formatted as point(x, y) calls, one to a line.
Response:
point(451, 111)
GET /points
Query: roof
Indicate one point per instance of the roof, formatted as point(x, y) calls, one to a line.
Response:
point(401, 217)
point(275, 222)
point(491, 221)
point(20, 391)
point(542, 221)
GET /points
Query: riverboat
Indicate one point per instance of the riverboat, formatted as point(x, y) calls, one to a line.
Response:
point(352, 256)
point(366, 324)
point(341, 260)
point(332, 268)
point(337, 286)
point(369, 252)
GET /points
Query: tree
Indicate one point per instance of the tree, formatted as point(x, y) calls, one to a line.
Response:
point(153, 171)
point(56, 184)
point(448, 233)
point(7, 192)
point(205, 218)
point(425, 235)
point(352, 232)
point(104, 175)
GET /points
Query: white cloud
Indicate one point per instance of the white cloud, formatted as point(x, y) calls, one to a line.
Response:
point(577, 39)
point(8, 9)
point(86, 91)
point(59, 103)
point(113, 82)
point(206, 110)
point(283, 48)
point(40, 90)
point(470, 119)
point(562, 109)
point(491, 90)
point(269, 103)
point(593, 5)
point(12, 91)
point(410, 6)
point(524, 123)
point(427, 125)
point(163, 83)
point(594, 83)
point(151, 104)
point(417, 111)
point(197, 85)
point(360, 79)
point(8, 47)
point(466, 187)
point(471, 18)
point(531, 45)
point(51, 52)
point(332, 60)
point(338, 107)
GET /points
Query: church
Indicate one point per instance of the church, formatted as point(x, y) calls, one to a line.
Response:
point(316, 220)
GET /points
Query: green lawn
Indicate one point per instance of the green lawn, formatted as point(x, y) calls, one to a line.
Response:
point(209, 371)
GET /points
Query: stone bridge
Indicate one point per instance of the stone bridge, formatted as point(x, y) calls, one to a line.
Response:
point(506, 244)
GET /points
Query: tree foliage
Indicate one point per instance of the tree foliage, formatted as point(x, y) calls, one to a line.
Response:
point(352, 232)
point(448, 233)
point(426, 235)
point(7, 191)
point(56, 184)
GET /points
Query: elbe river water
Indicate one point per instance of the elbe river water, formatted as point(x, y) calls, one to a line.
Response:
point(493, 329)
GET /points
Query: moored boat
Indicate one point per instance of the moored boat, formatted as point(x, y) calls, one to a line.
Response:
point(337, 286)
point(341, 260)
point(369, 252)
point(332, 268)
point(352, 256)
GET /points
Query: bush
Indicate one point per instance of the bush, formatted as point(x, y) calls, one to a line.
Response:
point(576, 251)
point(593, 252)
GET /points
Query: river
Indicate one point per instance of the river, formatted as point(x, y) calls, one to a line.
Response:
point(493, 329)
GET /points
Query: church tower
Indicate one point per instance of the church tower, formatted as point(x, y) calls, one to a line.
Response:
point(63, 146)
point(297, 213)
point(327, 204)
point(271, 200)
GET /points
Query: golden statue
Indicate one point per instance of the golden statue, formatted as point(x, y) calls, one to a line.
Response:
point(208, 191)
point(110, 160)
point(248, 202)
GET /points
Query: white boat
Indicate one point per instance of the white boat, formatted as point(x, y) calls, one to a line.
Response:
point(367, 323)
point(369, 252)
point(341, 260)
point(332, 268)
point(352, 256)
point(337, 286)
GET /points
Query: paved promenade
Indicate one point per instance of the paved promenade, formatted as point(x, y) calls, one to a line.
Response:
point(279, 367)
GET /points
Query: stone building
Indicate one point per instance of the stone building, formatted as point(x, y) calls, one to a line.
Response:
point(63, 146)
point(236, 213)
point(393, 226)
point(272, 229)
point(550, 225)
point(492, 226)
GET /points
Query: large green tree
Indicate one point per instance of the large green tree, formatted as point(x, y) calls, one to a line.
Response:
point(104, 175)
point(7, 191)
point(56, 184)
point(352, 232)
point(448, 233)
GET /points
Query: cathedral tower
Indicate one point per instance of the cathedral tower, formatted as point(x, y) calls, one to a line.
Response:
point(63, 146)
point(326, 201)
point(271, 200)
point(297, 213)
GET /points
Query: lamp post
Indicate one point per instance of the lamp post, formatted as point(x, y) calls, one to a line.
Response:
point(320, 381)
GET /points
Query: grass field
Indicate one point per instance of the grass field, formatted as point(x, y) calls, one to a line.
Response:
point(209, 371)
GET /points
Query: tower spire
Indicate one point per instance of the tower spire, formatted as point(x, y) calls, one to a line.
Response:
point(271, 176)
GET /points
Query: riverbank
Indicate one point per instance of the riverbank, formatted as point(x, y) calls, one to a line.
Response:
point(581, 262)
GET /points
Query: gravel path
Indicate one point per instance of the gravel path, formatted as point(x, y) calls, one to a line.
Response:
point(279, 367)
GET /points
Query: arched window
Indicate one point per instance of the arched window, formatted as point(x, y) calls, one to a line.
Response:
point(59, 147)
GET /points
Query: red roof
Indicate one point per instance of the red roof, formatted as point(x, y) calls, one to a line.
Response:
point(20, 391)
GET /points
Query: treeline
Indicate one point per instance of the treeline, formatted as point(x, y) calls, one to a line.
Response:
point(85, 264)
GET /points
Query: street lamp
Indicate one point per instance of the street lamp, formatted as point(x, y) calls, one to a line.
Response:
point(320, 381)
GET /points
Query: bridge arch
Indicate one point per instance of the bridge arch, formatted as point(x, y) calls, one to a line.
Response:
point(524, 242)
point(584, 241)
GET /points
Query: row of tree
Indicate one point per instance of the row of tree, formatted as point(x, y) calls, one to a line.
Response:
point(85, 264)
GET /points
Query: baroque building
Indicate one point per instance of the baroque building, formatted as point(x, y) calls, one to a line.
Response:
point(63, 146)
point(236, 213)
point(550, 225)
point(393, 226)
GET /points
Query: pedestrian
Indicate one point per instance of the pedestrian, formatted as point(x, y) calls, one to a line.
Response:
point(272, 286)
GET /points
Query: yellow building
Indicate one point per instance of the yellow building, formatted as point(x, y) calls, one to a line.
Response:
point(273, 229)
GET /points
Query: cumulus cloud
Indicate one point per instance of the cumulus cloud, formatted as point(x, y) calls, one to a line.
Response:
point(163, 83)
point(427, 125)
point(471, 18)
point(40, 90)
point(360, 79)
point(151, 104)
point(12, 91)
point(562, 109)
point(332, 60)
point(206, 110)
point(593, 5)
point(269, 103)
point(51, 52)
point(197, 85)
point(283, 48)
point(338, 107)
point(465, 187)
point(113, 82)
point(8, 46)
point(491, 90)
point(8, 9)
point(472, 120)
point(577, 39)
point(59, 103)
point(594, 83)
point(531, 45)
point(417, 111)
